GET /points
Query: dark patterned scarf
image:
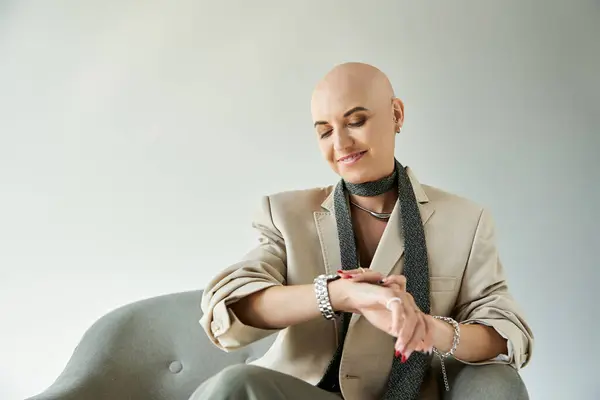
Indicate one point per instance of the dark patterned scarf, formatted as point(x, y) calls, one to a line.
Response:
point(404, 381)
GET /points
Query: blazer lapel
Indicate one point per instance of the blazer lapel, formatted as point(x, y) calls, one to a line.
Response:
point(391, 245)
point(328, 235)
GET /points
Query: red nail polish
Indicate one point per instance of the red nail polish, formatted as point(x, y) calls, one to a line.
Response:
point(397, 353)
point(403, 360)
point(340, 271)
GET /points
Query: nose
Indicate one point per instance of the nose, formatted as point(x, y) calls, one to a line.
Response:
point(342, 139)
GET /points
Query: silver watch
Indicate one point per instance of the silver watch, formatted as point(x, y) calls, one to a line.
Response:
point(322, 292)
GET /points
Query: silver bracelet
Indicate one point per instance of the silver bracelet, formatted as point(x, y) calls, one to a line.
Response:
point(322, 293)
point(455, 342)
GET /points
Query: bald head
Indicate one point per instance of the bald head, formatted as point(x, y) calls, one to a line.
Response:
point(352, 82)
point(356, 114)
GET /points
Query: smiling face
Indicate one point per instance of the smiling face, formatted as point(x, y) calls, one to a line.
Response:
point(354, 112)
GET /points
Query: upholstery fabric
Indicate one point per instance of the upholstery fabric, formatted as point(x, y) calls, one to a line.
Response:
point(153, 349)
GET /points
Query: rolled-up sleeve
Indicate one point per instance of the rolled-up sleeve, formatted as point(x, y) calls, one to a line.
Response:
point(262, 267)
point(484, 298)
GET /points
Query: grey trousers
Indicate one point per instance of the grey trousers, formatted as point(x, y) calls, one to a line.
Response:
point(248, 382)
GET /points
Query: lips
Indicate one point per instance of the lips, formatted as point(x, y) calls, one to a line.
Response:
point(351, 158)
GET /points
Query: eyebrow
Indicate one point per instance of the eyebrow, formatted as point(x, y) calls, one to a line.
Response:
point(346, 114)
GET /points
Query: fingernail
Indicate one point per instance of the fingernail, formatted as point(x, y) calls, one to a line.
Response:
point(340, 271)
point(397, 353)
point(404, 358)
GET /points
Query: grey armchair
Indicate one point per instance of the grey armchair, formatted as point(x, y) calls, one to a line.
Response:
point(154, 349)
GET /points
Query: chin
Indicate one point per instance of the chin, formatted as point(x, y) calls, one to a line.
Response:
point(361, 174)
point(357, 176)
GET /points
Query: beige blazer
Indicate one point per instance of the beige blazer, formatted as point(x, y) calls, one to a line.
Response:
point(297, 240)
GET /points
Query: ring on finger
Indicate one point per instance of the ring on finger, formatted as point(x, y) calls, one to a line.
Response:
point(390, 301)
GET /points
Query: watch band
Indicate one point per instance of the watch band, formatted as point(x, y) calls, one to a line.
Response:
point(322, 293)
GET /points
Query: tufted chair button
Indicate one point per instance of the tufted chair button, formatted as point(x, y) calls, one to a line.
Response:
point(175, 367)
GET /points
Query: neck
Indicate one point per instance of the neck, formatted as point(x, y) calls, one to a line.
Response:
point(383, 203)
point(379, 196)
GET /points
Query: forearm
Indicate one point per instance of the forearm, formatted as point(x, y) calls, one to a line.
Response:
point(477, 342)
point(278, 307)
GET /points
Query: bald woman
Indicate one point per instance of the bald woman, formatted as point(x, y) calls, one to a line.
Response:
point(378, 287)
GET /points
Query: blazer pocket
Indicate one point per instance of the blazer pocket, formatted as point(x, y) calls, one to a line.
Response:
point(442, 283)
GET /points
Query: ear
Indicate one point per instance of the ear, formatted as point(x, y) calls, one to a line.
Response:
point(398, 111)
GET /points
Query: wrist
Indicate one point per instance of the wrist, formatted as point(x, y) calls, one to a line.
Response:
point(443, 335)
point(339, 297)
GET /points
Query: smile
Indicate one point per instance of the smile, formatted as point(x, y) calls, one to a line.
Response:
point(351, 158)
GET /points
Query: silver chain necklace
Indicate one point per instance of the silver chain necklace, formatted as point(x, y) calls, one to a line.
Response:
point(375, 214)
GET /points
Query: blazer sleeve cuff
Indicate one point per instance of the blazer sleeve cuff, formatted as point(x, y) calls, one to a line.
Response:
point(225, 329)
point(515, 343)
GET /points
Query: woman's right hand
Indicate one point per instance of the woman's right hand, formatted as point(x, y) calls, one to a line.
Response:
point(402, 320)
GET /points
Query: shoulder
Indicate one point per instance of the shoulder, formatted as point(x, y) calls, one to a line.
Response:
point(291, 207)
point(446, 199)
point(447, 204)
point(457, 210)
point(300, 200)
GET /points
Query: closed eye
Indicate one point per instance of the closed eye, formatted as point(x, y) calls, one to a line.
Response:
point(325, 134)
point(357, 123)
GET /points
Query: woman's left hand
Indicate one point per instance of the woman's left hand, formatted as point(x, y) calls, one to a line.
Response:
point(413, 328)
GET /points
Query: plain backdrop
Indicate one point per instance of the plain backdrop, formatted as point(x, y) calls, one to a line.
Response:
point(136, 138)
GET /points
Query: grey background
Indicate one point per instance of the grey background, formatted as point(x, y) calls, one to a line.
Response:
point(137, 136)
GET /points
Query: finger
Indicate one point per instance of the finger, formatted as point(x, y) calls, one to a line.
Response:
point(351, 271)
point(408, 325)
point(423, 340)
point(367, 276)
point(428, 342)
point(397, 317)
point(417, 336)
point(398, 281)
point(346, 273)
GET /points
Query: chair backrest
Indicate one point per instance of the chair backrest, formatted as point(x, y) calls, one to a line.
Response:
point(152, 349)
